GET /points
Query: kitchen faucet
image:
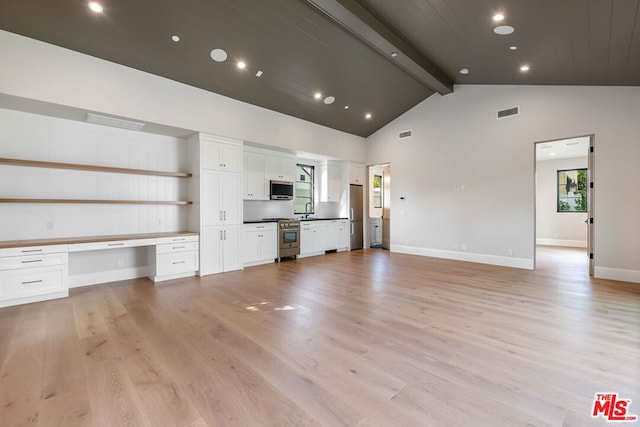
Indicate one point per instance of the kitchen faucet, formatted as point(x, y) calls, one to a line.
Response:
point(306, 213)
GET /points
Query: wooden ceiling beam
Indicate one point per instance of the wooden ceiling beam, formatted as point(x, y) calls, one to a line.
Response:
point(363, 24)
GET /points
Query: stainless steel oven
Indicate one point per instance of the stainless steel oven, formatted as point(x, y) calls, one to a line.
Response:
point(288, 238)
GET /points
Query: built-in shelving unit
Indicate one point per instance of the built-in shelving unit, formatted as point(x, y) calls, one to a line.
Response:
point(106, 202)
point(53, 165)
point(108, 169)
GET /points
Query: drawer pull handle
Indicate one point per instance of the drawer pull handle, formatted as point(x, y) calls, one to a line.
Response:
point(29, 262)
point(178, 247)
point(31, 282)
point(179, 262)
point(31, 250)
point(115, 244)
point(260, 226)
point(178, 240)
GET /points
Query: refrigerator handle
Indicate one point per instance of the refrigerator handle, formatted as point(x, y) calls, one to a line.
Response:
point(352, 214)
point(352, 229)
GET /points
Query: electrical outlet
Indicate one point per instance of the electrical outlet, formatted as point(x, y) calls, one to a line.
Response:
point(159, 222)
point(464, 247)
point(50, 225)
point(510, 252)
point(456, 246)
point(120, 263)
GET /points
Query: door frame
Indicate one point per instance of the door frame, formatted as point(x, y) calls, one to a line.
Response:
point(591, 247)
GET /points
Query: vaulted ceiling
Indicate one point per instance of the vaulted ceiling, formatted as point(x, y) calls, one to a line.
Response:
point(343, 48)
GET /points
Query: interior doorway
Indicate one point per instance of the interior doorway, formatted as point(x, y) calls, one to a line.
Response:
point(379, 211)
point(564, 197)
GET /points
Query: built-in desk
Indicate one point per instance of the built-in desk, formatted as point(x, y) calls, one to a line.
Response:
point(38, 270)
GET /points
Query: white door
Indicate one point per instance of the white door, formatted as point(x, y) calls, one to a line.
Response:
point(211, 209)
point(254, 180)
point(332, 235)
point(231, 248)
point(386, 207)
point(590, 207)
point(269, 245)
point(210, 250)
point(231, 203)
point(250, 246)
point(211, 155)
point(231, 157)
point(306, 240)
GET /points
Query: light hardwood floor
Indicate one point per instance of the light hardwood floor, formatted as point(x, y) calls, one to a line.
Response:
point(360, 339)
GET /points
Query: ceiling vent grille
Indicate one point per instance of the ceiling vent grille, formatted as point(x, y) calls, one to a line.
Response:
point(113, 122)
point(513, 111)
point(405, 134)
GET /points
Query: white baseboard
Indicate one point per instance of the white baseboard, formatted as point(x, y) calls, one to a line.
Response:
point(560, 242)
point(34, 298)
point(617, 274)
point(89, 279)
point(523, 263)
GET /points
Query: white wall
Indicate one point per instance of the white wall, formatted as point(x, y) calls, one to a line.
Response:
point(552, 227)
point(34, 137)
point(40, 71)
point(457, 140)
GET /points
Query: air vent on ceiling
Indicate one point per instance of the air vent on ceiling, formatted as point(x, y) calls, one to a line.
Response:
point(113, 122)
point(513, 111)
point(405, 134)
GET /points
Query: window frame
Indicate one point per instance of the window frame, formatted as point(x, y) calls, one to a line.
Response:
point(585, 195)
point(312, 190)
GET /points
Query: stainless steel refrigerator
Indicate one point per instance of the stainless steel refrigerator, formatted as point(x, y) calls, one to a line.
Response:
point(356, 216)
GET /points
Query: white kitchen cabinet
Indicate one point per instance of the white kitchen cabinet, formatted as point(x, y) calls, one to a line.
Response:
point(313, 237)
point(221, 156)
point(357, 174)
point(330, 178)
point(30, 274)
point(221, 200)
point(255, 185)
point(175, 257)
point(220, 249)
point(338, 235)
point(279, 168)
point(259, 243)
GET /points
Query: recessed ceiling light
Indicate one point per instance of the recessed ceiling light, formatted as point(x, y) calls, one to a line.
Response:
point(96, 7)
point(498, 17)
point(218, 55)
point(524, 68)
point(346, 107)
point(329, 100)
point(503, 30)
point(367, 116)
point(259, 73)
point(464, 71)
point(317, 95)
point(241, 64)
point(513, 47)
point(394, 54)
point(175, 38)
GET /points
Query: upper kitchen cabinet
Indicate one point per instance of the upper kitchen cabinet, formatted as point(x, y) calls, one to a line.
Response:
point(219, 154)
point(356, 173)
point(329, 179)
point(261, 165)
point(255, 187)
point(279, 167)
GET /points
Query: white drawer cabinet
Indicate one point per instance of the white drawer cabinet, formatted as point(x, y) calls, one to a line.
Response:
point(175, 257)
point(113, 244)
point(39, 275)
point(313, 237)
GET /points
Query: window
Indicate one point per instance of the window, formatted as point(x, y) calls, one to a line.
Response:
point(572, 190)
point(303, 200)
point(377, 191)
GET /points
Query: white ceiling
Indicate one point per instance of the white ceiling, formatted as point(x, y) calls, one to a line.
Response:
point(562, 149)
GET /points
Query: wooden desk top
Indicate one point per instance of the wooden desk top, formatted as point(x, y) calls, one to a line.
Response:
point(90, 239)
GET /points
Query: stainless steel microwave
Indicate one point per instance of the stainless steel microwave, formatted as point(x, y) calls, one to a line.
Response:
point(281, 190)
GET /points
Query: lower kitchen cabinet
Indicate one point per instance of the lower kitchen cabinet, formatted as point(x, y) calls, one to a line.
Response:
point(313, 237)
point(338, 235)
point(259, 243)
point(175, 257)
point(30, 274)
point(220, 249)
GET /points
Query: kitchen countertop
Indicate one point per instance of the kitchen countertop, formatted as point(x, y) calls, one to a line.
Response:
point(90, 239)
point(261, 221)
point(322, 219)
